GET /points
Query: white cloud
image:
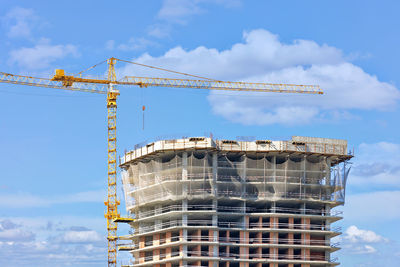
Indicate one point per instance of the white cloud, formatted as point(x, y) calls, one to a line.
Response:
point(364, 249)
point(378, 165)
point(19, 235)
point(7, 225)
point(12, 232)
point(42, 55)
point(263, 58)
point(20, 22)
point(356, 235)
point(29, 242)
point(81, 237)
point(358, 241)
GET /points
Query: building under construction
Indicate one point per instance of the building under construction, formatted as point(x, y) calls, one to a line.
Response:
point(205, 202)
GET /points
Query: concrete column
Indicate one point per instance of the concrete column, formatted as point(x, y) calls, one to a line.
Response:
point(246, 221)
point(212, 264)
point(183, 250)
point(291, 222)
point(260, 223)
point(244, 239)
point(214, 172)
point(328, 170)
point(185, 174)
point(212, 250)
point(215, 220)
point(306, 239)
point(327, 238)
point(184, 215)
point(168, 251)
point(329, 192)
point(157, 224)
point(211, 247)
point(157, 209)
point(168, 236)
point(258, 239)
point(156, 254)
point(244, 177)
point(259, 253)
point(290, 254)
point(141, 257)
point(141, 242)
point(184, 220)
point(273, 238)
point(215, 204)
point(184, 166)
point(273, 206)
point(156, 239)
point(228, 250)
point(274, 168)
point(214, 237)
point(303, 167)
point(183, 237)
point(290, 239)
point(286, 167)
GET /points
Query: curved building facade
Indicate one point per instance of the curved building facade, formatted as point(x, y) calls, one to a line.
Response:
point(204, 202)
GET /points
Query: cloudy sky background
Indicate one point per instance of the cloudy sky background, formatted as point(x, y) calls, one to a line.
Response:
point(53, 182)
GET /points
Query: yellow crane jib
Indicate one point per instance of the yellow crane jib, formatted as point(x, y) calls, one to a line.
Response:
point(222, 85)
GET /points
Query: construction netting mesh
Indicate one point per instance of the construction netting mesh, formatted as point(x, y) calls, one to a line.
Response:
point(173, 175)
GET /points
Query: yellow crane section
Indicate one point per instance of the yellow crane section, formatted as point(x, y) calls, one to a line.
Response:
point(49, 83)
point(223, 85)
point(108, 87)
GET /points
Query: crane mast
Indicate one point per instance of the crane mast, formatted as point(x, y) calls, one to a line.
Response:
point(108, 87)
point(112, 201)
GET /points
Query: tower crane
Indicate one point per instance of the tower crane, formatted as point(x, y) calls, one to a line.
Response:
point(109, 88)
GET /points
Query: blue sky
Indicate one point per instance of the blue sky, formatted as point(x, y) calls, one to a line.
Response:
point(53, 163)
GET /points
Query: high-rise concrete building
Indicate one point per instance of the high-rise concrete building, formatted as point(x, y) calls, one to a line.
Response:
point(204, 202)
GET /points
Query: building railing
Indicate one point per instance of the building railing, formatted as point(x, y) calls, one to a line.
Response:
point(234, 240)
point(143, 197)
point(172, 208)
point(209, 223)
point(231, 255)
point(249, 179)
